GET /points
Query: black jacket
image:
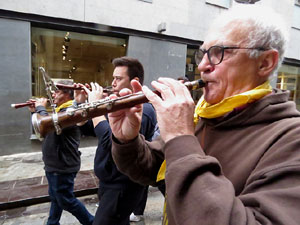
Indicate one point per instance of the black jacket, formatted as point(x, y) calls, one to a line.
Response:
point(60, 152)
point(104, 166)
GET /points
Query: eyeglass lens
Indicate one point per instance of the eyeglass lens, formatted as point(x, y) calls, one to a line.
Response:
point(214, 54)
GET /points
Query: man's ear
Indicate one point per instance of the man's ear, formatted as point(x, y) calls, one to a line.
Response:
point(267, 62)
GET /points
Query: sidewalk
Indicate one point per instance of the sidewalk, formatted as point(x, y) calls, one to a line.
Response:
point(24, 191)
point(38, 214)
point(23, 181)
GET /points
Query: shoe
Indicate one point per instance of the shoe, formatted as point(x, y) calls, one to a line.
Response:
point(135, 218)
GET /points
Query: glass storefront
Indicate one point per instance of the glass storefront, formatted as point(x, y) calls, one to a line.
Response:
point(86, 58)
point(289, 79)
point(192, 72)
point(83, 58)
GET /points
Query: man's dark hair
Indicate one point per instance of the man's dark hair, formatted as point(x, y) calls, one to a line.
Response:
point(68, 91)
point(134, 67)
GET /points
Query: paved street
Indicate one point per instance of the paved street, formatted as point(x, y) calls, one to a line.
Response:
point(37, 214)
point(22, 179)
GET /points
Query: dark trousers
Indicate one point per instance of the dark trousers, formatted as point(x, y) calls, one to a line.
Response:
point(116, 205)
point(61, 188)
point(140, 208)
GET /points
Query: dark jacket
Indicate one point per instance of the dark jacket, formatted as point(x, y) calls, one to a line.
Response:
point(240, 169)
point(60, 152)
point(104, 166)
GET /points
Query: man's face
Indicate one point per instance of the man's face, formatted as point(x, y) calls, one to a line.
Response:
point(236, 74)
point(120, 79)
point(59, 97)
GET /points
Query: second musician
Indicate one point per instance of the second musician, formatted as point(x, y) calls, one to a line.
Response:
point(118, 195)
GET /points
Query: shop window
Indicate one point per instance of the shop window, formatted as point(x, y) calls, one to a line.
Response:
point(83, 58)
point(192, 72)
point(289, 79)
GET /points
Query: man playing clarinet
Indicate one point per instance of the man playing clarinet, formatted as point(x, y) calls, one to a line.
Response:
point(118, 195)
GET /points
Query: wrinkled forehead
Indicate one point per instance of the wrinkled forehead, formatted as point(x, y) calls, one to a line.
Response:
point(232, 33)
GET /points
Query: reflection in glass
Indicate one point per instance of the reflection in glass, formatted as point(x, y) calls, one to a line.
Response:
point(192, 71)
point(289, 79)
point(84, 58)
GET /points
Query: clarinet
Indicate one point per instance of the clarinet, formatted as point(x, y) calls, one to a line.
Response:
point(44, 124)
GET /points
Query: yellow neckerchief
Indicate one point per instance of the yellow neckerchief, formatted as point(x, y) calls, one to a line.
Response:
point(64, 105)
point(204, 109)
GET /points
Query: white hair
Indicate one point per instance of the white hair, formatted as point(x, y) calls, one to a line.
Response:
point(253, 26)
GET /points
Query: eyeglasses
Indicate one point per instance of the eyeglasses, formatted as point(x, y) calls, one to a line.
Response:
point(215, 53)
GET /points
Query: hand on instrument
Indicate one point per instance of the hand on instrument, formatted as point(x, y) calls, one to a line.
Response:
point(96, 92)
point(175, 108)
point(37, 102)
point(80, 96)
point(32, 106)
point(125, 124)
point(41, 102)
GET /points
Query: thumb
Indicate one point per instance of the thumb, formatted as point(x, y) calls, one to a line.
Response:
point(136, 86)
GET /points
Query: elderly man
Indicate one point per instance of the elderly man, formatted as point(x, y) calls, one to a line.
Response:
point(235, 159)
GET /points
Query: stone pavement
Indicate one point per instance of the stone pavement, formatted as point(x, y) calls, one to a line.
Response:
point(24, 197)
point(23, 181)
point(38, 214)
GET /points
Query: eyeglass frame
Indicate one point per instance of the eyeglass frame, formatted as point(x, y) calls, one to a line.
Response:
point(223, 50)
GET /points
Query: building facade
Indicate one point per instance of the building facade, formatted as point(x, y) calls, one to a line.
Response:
point(77, 39)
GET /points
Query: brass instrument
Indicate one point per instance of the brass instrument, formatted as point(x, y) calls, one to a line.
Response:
point(44, 124)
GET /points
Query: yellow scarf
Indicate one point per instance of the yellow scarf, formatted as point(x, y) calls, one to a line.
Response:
point(205, 110)
point(64, 105)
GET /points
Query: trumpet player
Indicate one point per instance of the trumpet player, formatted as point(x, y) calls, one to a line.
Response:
point(62, 161)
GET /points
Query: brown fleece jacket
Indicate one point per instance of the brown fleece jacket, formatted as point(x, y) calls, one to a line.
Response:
point(238, 170)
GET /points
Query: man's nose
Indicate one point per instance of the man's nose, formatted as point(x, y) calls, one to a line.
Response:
point(205, 64)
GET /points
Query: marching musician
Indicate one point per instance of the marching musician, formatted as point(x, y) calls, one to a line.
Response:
point(235, 157)
point(62, 161)
point(118, 195)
